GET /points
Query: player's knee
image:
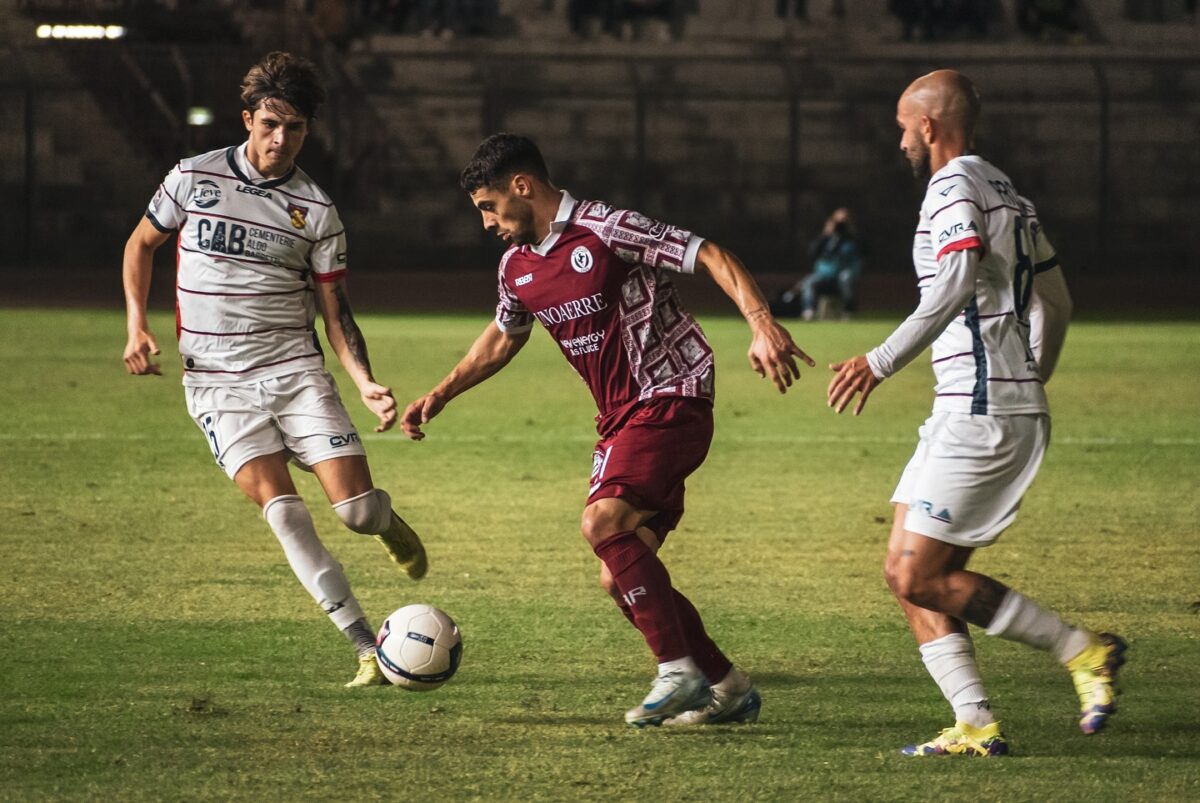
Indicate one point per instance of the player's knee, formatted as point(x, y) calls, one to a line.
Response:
point(597, 524)
point(368, 513)
point(905, 583)
point(605, 518)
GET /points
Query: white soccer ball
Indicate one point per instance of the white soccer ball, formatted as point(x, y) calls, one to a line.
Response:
point(418, 647)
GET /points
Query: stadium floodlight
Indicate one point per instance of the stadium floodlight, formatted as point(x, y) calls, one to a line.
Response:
point(80, 31)
point(200, 115)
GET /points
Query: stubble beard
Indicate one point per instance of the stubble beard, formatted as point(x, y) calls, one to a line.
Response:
point(523, 233)
point(918, 160)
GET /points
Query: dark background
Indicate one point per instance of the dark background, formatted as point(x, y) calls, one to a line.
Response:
point(723, 118)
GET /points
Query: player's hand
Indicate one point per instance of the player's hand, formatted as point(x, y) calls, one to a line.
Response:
point(381, 402)
point(773, 354)
point(138, 349)
point(852, 377)
point(420, 412)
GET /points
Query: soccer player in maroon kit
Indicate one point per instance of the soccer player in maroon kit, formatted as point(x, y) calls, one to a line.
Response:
point(598, 280)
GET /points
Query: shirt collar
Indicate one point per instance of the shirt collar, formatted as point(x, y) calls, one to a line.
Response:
point(566, 209)
point(243, 163)
point(239, 162)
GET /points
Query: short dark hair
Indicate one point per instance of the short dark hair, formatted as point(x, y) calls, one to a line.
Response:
point(282, 76)
point(498, 158)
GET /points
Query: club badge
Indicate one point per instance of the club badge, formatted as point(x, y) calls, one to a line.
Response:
point(581, 259)
point(298, 215)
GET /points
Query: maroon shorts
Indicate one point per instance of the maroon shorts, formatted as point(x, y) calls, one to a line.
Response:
point(646, 461)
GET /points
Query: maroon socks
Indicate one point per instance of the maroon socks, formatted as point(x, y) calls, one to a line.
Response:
point(668, 621)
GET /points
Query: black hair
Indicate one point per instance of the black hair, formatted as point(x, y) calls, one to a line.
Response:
point(498, 158)
point(282, 76)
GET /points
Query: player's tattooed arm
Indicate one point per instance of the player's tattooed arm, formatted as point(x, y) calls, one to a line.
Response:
point(351, 348)
point(356, 345)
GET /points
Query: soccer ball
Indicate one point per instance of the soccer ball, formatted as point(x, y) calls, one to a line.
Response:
point(418, 647)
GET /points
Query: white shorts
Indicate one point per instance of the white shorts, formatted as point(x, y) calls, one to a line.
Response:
point(965, 481)
point(301, 414)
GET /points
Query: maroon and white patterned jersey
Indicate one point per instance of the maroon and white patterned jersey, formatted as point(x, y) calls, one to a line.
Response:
point(599, 284)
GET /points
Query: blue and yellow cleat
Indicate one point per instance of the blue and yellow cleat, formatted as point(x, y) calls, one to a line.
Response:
point(672, 694)
point(963, 740)
point(1094, 672)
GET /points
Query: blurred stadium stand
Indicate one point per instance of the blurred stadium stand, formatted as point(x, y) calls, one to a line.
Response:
point(747, 128)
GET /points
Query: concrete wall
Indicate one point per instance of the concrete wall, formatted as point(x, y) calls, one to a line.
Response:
point(754, 150)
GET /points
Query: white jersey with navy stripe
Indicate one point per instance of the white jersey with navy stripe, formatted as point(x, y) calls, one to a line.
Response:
point(249, 250)
point(982, 361)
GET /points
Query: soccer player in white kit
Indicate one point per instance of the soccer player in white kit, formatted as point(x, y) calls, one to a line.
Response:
point(994, 306)
point(260, 251)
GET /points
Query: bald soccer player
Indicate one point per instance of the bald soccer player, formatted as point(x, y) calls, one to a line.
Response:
point(994, 306)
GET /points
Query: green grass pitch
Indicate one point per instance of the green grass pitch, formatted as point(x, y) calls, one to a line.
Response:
point(156, 646)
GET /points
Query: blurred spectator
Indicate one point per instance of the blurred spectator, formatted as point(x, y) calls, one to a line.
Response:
point(625, 18)
point(444, 18)
point(837, 266)
point(938, 19)
point(784, 7)
point(1049, 19)
point(580, 11)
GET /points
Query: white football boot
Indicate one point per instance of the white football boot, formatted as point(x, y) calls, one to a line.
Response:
point(673, 693)
point(734, 700)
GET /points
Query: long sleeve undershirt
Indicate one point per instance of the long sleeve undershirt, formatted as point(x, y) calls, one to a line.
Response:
point(942, 301)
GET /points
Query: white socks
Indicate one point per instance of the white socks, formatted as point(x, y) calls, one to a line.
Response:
point(318, 572)
point(1021, 619)
point(369, 513)
point(951, 661)
point(685, 665)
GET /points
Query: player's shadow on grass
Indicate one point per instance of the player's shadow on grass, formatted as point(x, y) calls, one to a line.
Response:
point(557, 720)
point(780, 680)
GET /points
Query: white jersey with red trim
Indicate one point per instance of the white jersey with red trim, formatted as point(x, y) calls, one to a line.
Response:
point(982, 361)
point(249, 250)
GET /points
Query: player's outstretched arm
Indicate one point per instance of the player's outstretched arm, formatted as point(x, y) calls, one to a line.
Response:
point(772, 350)
point(490, 352)
point(1049, 315)
point(942, 300)
point(136, 270)
point(348, 344)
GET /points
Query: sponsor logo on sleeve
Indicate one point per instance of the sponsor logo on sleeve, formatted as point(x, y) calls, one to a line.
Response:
point(206, 194)
point(955, 230)
point(581, 259)
point(298, 214)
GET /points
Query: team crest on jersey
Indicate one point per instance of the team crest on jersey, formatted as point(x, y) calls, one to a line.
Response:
point(206, 194)
point(581, 259)
point(298, 214)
